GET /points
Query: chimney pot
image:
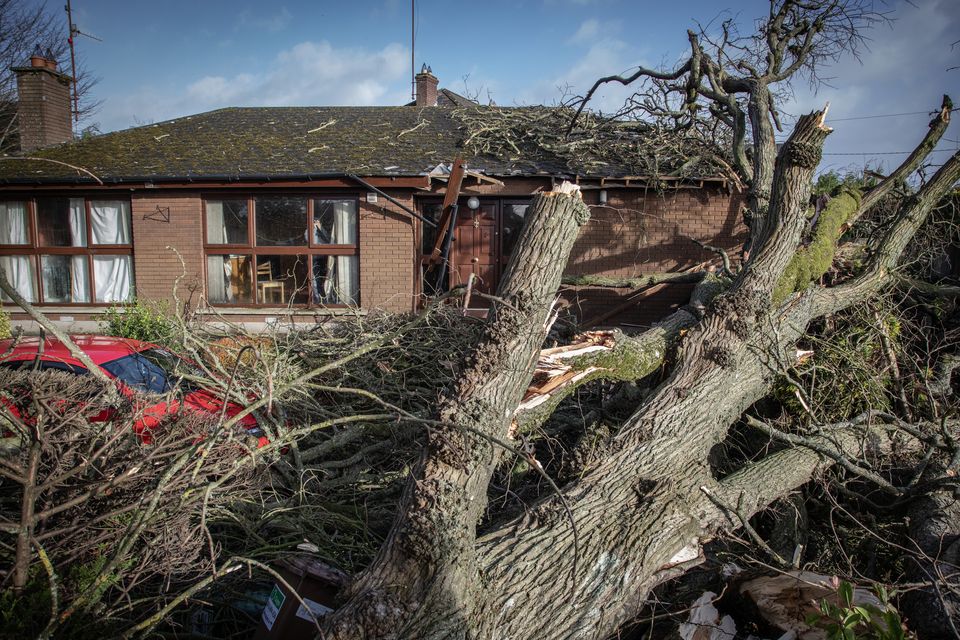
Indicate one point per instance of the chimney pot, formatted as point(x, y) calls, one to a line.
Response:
point(427, 84)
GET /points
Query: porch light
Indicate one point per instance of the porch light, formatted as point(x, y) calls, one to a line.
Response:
point(603, 196)
point(473, 203)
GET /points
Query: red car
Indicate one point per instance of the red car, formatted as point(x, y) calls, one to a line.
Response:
point(140, 369)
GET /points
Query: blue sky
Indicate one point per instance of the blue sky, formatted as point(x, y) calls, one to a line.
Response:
point(167, 58)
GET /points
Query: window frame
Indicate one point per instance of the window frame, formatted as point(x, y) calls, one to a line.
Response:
point(35, 251)
point(251, 249)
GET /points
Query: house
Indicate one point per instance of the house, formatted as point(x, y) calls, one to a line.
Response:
point(297, 213)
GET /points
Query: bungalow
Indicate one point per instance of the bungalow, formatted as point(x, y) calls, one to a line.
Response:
point(294, 213)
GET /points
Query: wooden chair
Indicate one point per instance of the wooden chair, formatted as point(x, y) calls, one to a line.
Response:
point(270, 288)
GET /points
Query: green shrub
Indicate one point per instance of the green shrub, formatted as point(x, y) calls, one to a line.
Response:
point(145, 321)
point(848, 620)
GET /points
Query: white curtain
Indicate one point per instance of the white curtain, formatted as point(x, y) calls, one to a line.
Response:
point(348, 279)
point(80, 283)
point(113, 276)
point(19, 272)
point(110, 222)
point(216, 229)
point(13, 230)
point(344, 222)
point(219, 272)
point(78, 223)
point(13, 223)
point(342, 285)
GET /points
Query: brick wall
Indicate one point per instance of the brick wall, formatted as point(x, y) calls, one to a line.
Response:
point(43, 112)
point(637, 233)
point(155, 266)
point(388, 254)
point(640, 233)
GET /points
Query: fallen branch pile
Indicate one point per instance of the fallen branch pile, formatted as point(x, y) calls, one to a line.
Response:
point(597, 144)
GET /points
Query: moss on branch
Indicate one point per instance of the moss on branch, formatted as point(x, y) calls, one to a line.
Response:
point(809, 263)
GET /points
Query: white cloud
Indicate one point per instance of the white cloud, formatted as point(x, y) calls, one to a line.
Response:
point(310, 73)
point(587, 32)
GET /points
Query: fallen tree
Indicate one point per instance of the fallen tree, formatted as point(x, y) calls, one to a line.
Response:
point(582, 559)
point(581, 562)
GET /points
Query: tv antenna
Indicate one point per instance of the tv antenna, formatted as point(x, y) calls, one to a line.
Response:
point(74, 31)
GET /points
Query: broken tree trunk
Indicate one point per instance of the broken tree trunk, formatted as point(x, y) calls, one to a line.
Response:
point(424, 581)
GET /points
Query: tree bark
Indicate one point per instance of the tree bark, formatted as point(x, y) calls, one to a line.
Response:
point(424, 583)
point(934, 611)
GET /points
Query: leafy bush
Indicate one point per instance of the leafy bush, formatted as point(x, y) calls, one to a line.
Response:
point(5, 329)
point(848, 620)
point(145, 321)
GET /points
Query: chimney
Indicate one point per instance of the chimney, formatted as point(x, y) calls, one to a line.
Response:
point(426, 87)
point(44, 115)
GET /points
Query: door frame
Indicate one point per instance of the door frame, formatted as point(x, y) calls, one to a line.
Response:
point(498, 203)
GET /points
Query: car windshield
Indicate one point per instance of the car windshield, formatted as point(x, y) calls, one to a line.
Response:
point(150, 370)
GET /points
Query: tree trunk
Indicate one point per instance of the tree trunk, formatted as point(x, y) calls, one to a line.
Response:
point(424, 583)
point(934, 611)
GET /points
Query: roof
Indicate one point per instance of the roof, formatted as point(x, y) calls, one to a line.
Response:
point(270, 143)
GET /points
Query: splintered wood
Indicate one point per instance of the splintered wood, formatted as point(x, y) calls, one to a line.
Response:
point(553, 372)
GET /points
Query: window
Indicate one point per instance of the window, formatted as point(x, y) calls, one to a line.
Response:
point(62, 250)
point(279, 250)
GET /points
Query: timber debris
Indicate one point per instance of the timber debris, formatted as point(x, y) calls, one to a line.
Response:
point(641, 148)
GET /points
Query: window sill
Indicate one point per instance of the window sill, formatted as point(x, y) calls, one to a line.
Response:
point(280, 311)
point(80, 307)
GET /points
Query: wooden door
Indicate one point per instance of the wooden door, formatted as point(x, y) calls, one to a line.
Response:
point(475, 250)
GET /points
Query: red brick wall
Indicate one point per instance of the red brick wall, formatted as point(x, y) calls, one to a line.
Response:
point(386, 248)
point(156, 267)
point(640, 233)
point(387, 254)
point(637, 233)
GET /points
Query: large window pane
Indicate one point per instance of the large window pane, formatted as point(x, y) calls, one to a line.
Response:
point(282, 279)
point(281, 221)
point(432, 212)
point(61, 222)
point(513, 216)
point(227, 222)
point(335, 222)
point(19, 270)
point(113, 276)
point(229, 279)
point(13, 223)
point(64, 279)
point(110, 221)
point(336, 279)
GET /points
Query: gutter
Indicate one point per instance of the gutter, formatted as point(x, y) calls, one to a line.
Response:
point(116, 180)
point(272, 177)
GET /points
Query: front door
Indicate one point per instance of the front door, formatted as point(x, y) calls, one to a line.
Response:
point(475, 250)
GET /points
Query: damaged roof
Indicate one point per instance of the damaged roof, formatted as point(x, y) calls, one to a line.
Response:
point(263, 143)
